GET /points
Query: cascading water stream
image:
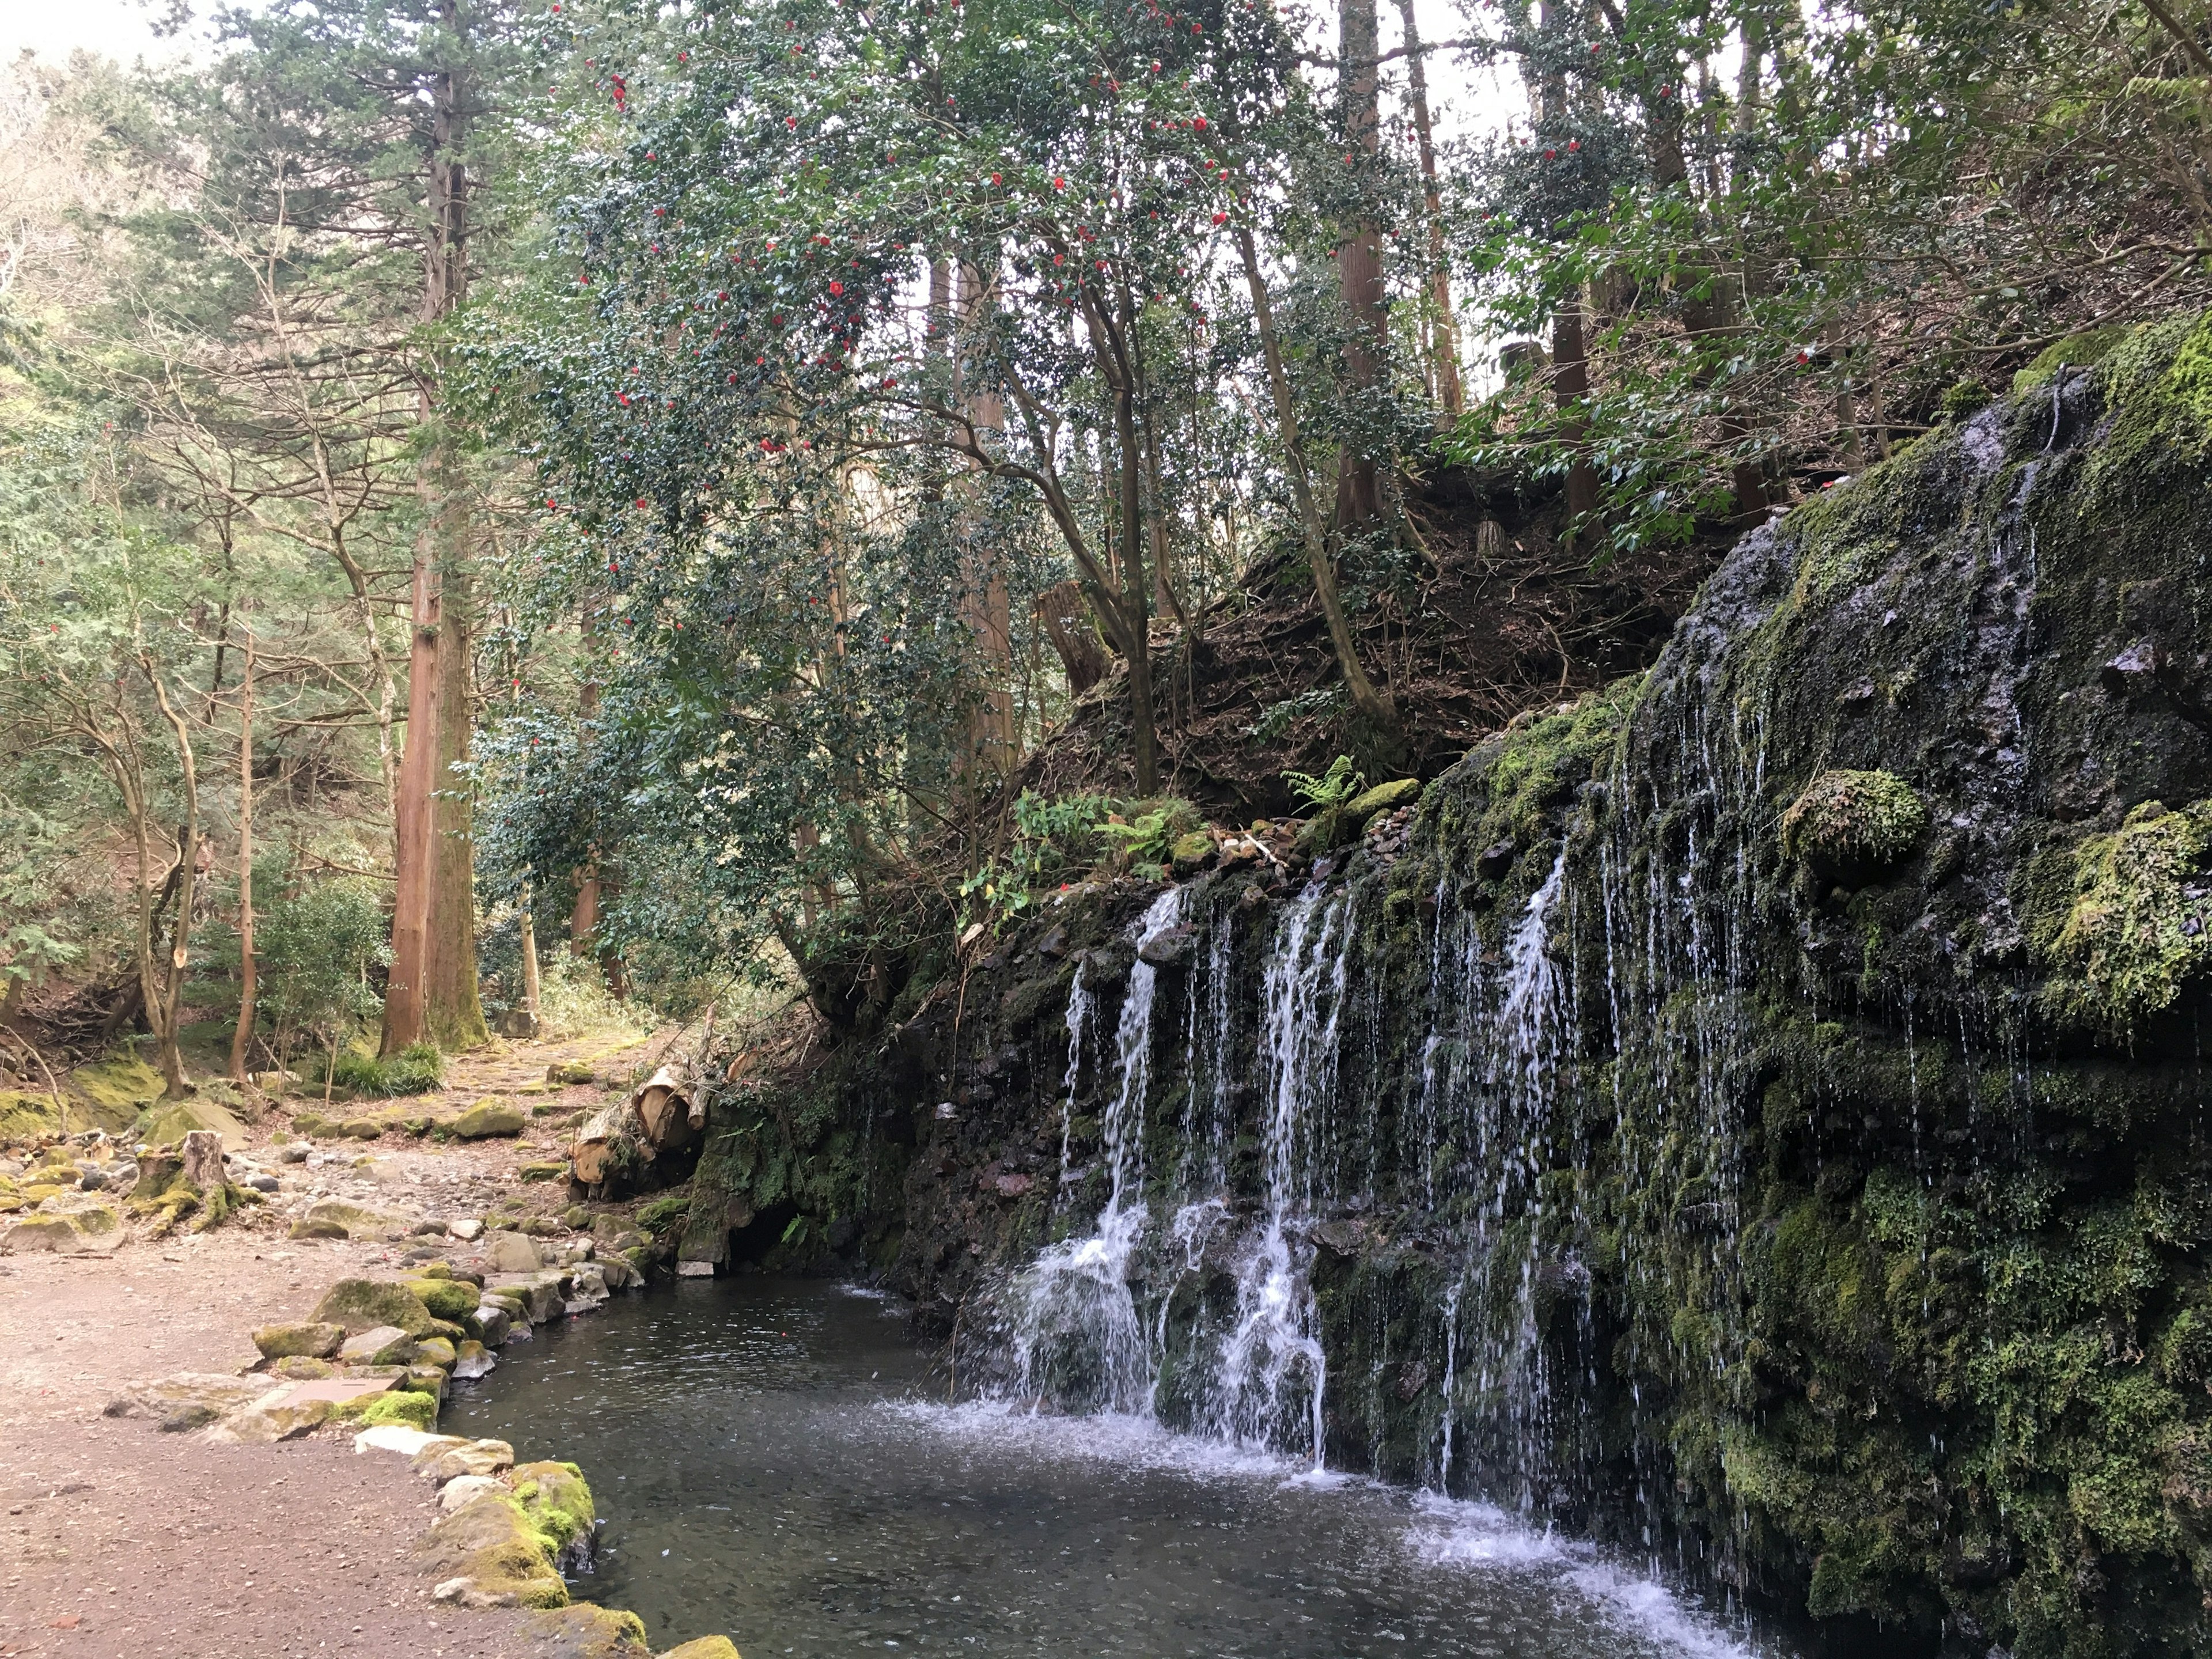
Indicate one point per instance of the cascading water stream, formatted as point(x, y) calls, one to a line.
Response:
point(1079, 1336)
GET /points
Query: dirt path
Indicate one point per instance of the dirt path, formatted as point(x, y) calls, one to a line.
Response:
point(118, 1540)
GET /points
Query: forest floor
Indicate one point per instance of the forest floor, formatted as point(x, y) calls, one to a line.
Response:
point(118, 1540)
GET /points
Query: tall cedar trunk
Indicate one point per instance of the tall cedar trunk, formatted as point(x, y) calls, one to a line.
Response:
point(243, 1038)
point(406, 981)
point(434, 910)
point(532, 983)
point(1442, 329)
point(453, 1006)
point(1135, 621)
point(1372, 704)
point(990, 745)
point(1359, 259)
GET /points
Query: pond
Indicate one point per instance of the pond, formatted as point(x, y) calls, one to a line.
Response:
point(770, 1463)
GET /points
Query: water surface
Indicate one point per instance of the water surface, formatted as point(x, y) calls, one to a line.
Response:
point(770, 1463)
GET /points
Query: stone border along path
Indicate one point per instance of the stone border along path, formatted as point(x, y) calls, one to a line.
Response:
point(278, 1541)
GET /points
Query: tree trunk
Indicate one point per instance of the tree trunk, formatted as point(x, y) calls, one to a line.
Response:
point(162, 1010)
point(244, 1037)
point(1443, 329)
point(406, 984)
point(990, 745)
point(452, 1012)
point(433, 936)
point(531, 981)
point(1360, 265)
point(1374, 705)
point(1570, 384)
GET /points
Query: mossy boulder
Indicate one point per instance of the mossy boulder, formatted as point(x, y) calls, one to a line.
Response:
point(401, 1408)
point(486, 1120)
point(1384, 798)
point(166, 1122)
point(487, 1553)
point(312, 1341)
point(585, 1630)
point(1852, 827)
point(1190, 852)
point(112, 1092)
point(362, 1304)
point(451, 1299)
point(704, 1647)
point(2131, 923)
point(558, 1505)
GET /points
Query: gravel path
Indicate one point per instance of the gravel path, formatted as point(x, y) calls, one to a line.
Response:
point(118, 1540)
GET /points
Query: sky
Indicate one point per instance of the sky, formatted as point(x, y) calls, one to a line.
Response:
point(53, 28)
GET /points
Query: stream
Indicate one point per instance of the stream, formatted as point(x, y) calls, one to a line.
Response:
point(767, 1463)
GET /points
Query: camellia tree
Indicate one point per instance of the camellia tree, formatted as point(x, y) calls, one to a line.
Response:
point(855, 322)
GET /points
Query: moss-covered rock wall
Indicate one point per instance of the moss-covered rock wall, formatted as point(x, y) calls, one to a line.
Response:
point(1762, 1113)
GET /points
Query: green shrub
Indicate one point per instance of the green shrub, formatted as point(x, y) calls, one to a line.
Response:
point(416, 1069)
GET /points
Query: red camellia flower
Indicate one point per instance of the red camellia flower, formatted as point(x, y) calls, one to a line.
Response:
point(1059, 259)
point(1198, 121)
point(622, 397)
point(1220, 218)
point(1551, 156)
point(836, 288)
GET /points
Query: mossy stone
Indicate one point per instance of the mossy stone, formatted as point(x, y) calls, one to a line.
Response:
point(491, 1543)
point(704, 1647)
point(435, 1351)
point(451, 1299)
point(586, 1630)
point(313, 1340)
point(1852, 826)
point(557, 1501)
point(1384, 798)
point(2136, 924)
point(362, 1304)
point(487, 1119)
point(404, 1408)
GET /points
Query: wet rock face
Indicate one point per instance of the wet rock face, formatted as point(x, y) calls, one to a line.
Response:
point(1751, 1111)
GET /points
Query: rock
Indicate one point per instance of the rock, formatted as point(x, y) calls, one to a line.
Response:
point(491, 1323)
point(381, 1345)
point(1852, 828)
point(446, 1299)
point(467, 1229)
point(179, 1120)
point(512, 1252)
point(541, 1172)
point(539, 1292)
point(394, 1439)
point(319, 1229)
point(617, 1272)
point(264, 1183)
point(401, 1408)
point(1191, 853)
point(570, 1071)
point(1495, 860)
point(41, 1233)
point(358, 1220)
point(189, 1399)
point(300, 1368)
point(1384, 798)
point(472, 1360)
point(435, 1351)
point(313, 1341)
point(694, 1270)
point(1169, 945)
point(362, 1305)
point(294, 1154)
point(576, 1218)
point(705, 1647)
point(558, 1505)
point(427, 1379)
point(487, 1119)
point(464, 1489)
point(448, 1458)
point(271, 1421)
point(586, 1632)
point(486, 1554)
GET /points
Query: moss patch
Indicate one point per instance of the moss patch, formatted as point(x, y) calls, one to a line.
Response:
point(2135, 922)
point(1851, 826)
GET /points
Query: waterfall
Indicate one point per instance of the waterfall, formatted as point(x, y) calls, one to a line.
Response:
point(1269, 1389)
point(1077, 1337)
